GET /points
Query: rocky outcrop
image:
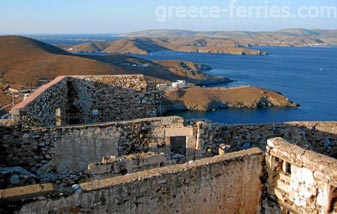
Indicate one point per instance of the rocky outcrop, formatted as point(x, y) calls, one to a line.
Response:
point(206, 99)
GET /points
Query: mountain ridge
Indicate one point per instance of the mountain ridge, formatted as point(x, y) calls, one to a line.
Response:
point(246, 38)
point(144, 45)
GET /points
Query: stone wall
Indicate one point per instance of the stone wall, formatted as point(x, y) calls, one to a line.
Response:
point(77, 146)
point(40, 107)
point(299, 180)
point(87, 99)
point(318, 136)
point(72, 148)
point(222, 184)
point(111, 166)
point(114, 97)
point(27, 148)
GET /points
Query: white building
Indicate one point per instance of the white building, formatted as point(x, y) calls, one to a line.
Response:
point(179, 84)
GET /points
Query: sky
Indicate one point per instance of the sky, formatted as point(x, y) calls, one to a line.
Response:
point(122, 16)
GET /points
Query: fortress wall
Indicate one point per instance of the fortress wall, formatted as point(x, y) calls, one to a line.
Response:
point(77, 146)
point(311, 135)
point(72, 148)
point(108, 98)
point(40, 107)
point(87, 99)
point(299, 180)
point(222, 184)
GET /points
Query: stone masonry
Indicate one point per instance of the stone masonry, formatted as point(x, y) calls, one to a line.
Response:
point(222, 184)
point(317, 136)
point(299, 180)
point(87, 99)
point(72, 148)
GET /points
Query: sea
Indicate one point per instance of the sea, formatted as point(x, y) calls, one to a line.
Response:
point(307, 76)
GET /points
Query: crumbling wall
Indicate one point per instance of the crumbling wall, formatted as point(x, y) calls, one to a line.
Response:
point(77, 146)
point(318, 136)
point(108, 98)
point(112, 166)
point(41, 106)
point(25, 147)
point(299, 180)
point(72, 148)
point(222, 184)
point(87, 99)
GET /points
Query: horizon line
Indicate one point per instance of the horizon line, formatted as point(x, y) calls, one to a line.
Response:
point(168, 29)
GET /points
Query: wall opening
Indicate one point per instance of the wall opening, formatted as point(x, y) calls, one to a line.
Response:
point(178, 145)
point(333, 198)
point(58, 116)
point(286, 168)
point(73, 110)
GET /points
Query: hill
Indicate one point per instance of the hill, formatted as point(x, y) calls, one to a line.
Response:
point(286, 37)
point(146, 45)
point(24, 61)
point(206, 99)
point(185, 69)
point(88, 47)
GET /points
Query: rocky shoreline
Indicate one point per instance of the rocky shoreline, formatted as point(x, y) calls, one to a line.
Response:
point(211, 99)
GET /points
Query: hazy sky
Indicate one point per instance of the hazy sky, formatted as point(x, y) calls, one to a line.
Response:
point(119, 16)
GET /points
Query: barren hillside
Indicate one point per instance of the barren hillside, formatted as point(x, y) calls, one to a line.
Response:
point(24, 61)
point(287, 37)
point(184, 44)
point(205, 99)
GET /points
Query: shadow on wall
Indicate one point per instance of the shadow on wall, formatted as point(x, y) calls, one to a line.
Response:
point(87, 99)
point(92, 101)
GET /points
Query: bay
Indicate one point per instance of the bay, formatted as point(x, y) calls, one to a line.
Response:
point(307, 76)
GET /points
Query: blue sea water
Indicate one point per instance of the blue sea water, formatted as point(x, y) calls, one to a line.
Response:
point(307, 76)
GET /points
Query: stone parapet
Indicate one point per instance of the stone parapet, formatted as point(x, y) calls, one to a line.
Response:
point(222, 184)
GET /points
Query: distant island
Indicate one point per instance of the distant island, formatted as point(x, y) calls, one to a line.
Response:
point(216, 42)
point(146, 45)
point(298, 37)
